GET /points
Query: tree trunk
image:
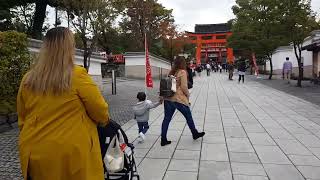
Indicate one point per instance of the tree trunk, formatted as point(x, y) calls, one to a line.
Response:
point(39, 16)
point(85, 59)
point(297, 51)
point(300, 78)
point(271, 68)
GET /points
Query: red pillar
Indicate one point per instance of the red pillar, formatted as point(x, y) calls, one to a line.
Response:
point(198, 56)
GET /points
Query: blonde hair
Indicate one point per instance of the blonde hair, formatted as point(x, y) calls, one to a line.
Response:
point(52, 71)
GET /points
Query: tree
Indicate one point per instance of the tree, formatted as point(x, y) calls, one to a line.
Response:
point(300, 20)
point(256, 29)
point(22, 19)
point(103, 19)
point(39, 15)
point(145, 17)
point(82, 24)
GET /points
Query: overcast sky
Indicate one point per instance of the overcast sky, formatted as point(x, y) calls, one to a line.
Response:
point(187, 13)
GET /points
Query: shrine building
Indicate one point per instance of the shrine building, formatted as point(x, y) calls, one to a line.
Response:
point(211, 43)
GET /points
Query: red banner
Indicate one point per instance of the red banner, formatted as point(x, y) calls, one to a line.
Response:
point(149, 81)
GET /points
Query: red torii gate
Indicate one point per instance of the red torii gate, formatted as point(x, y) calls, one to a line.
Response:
point(211, 43)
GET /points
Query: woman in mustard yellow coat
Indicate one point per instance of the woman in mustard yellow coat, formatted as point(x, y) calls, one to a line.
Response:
point(59, 107)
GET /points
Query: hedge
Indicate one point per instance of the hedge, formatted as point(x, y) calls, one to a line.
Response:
point(14, 63)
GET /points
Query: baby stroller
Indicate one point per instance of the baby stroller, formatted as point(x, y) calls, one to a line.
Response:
point(129, 171)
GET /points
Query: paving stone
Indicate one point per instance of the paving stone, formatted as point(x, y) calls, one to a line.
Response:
point(184, 165)
point(253, 128)
point(214, 137)
point(271, 154)
point(174, 175)
point(187, 143)
point(148, 143)
point(304, 160)
point(292, 147)
point(239, 145)
point(153, 168)
point(244, 177)
point(159, 152)
point(282, 172)
point(308, 140)
point(279, 133)
point(247, 169)
point(186, 154)
point(212, 170)
point(261, 139)
point(315, 151)
point(213, 127)
point(235, 132)
point(140, 153)
point(244, 157)
point(214, 152)
point(296, 129)
point(310, 172)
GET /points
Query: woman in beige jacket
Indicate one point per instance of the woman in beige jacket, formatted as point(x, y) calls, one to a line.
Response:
point(179, 101)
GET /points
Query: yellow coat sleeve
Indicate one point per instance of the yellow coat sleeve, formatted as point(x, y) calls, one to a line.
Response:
point(90, 95)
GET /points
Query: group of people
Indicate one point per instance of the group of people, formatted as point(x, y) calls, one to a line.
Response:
point(59, 108)
point(180, 101)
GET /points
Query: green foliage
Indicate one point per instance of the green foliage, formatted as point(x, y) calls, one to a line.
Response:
point(148, 17)
point(263, 25)
point(14, 63)
point(103, 21)
point(301, 21)
point(256, 27)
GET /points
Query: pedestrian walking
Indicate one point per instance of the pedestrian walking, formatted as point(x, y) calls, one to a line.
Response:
point(190, 76)
point(199, 70)
point(242, 70)
point(179, 101)
point(208, 67)
point(141, 114)
point(220, 68)
point(59, 107)
point(231, 70)
point(287, 70)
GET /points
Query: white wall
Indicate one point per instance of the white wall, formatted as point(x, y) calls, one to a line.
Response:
point(140, 60)
point(95, 65)
point(280, 56)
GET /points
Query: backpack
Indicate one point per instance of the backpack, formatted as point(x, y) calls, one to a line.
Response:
point(168, 86)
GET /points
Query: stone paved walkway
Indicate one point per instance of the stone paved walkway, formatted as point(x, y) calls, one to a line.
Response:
point(254, 132)
point(309, 91)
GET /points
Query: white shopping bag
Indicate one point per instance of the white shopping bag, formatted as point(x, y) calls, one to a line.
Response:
point(114, 158)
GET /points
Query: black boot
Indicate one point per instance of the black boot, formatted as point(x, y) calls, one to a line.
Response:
point(198, 135)
point(165, 142)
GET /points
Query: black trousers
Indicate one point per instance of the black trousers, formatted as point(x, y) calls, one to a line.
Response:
point(241, 77)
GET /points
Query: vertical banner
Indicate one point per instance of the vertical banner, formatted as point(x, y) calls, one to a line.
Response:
point(149, 81)
point(254, 59)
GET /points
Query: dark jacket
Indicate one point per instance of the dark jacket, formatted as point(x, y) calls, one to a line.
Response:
point(190, 78)
point(242, 67)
